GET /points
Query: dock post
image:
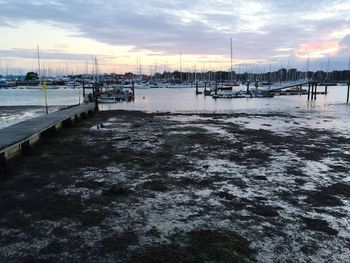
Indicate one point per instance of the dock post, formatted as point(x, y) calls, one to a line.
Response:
point(312, 91)
point(216, 88)
point(133, 89)
point(83, 89)
point(248, 87)
point(205, 87)
point(347, 97)
point(315, 90)
point(197, 87)
point(96, 96)
point(3, 166)
point(326, 88)
point(308, 92)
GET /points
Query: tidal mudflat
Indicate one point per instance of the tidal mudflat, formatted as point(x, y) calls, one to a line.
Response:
point(129, 186)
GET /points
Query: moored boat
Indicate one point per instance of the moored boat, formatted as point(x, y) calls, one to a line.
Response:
point(71, 84)
point(115, 94)
point(178, 86)
point(3, 83)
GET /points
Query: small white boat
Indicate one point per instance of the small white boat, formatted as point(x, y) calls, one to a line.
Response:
point(115, 94)
point(110, 98)
point(179, 86)
point(71, 84)
point(89, 85)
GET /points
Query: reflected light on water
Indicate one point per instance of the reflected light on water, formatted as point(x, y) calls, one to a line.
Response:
point(174, 100)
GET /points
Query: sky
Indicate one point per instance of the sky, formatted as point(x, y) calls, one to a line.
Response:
point(157, 35)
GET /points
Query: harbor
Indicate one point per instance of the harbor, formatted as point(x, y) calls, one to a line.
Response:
point(175, 131)
point(111, 88)
point(249, 166)
point(23, 104)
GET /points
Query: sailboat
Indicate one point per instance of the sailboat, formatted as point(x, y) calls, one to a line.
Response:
point(43, 85)
point(179, 84)
point(231, 83)
point(226, 90)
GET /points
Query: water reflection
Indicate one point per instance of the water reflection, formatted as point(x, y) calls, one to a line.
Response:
point(174, 100)
point(185, 100)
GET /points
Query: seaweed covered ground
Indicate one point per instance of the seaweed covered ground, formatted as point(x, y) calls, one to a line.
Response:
point(127, 186)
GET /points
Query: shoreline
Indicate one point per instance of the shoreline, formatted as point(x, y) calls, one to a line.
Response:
point(10, 115)
point(146, 187)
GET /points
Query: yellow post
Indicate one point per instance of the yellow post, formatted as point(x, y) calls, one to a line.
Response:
point(45, 97)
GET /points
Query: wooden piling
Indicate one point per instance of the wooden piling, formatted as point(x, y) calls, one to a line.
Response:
point(3, 166)
point(205, 87)
point(326, 88)
point(308, 92)
point(83, 89)
point(347, 97)
point(216, 88)
point(315, 91)
point(133, 89)
point(95, 93)
point(197, 88)
point(248, 86)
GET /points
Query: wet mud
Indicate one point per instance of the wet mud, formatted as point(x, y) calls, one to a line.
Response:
point(128, 186)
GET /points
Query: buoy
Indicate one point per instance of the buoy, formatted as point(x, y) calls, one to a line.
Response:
point(143, 97)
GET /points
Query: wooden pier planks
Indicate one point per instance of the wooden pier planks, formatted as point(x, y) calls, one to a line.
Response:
point(15, 138)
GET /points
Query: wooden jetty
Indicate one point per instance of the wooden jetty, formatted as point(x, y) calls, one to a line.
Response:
point(287, 85)
point(311, 92)
point(20, 137)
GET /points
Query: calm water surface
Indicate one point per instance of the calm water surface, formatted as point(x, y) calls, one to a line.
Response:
point(185, 100)
point(174, 100)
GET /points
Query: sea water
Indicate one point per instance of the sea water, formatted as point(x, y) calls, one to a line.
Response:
point(20, 104)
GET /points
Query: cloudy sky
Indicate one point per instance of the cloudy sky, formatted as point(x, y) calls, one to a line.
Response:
point(153, 33)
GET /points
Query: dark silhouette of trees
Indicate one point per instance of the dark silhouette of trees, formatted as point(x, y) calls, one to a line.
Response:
point(30, 76)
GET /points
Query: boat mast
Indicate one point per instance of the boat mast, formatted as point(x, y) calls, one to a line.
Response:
point(307, 65)
point(44, 86)
point(180, 67)
point(39, 65)
point(1, 68)
point(349, 70)
point(96, 70)
point(327, 75)
point(231, 62)
point(269, 76)
point(140, 70)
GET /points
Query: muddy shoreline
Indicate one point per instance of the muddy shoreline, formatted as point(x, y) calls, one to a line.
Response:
point(128, 186)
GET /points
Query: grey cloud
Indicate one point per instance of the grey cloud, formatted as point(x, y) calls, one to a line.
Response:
point(156, 26)
point(49, 55)
point(344, 46)
point(345, 42)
